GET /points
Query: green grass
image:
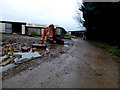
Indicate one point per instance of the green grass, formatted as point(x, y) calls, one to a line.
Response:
point(112, 49)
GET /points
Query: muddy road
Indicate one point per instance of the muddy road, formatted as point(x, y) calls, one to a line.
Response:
point(79, 65)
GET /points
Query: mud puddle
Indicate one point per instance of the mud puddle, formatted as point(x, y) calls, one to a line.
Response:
point(54, 46)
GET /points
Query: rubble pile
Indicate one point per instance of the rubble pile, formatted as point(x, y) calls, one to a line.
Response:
point(9, 53)
point(13, 44)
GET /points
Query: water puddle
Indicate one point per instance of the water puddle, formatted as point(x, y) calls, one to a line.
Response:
point(76, 39)
point(66, 42)
point(4, 68)
point(66, 45)
point(53, 46)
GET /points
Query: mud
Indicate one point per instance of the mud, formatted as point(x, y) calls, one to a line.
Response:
point(77, 65)
point(46, 55)
point(19, 39)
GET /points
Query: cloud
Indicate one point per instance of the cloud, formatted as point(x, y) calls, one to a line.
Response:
point(58, 12)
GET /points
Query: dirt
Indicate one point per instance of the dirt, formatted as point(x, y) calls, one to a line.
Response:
point(17, 43)
point(19, 39)
point(77, 64)
point(55, 51)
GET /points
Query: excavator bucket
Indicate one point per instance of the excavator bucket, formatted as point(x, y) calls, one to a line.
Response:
point(44, 46)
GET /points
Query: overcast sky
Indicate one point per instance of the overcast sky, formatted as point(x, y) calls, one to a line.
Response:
point(58, 12)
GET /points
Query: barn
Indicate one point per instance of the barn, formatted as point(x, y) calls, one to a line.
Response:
point(78, 32)
point(11, 27)
point(34, 29)
point(30, 30)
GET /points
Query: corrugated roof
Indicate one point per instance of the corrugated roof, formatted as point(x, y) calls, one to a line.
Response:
point(12, 22)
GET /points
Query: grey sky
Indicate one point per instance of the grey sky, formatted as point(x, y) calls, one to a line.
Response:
point(58, 12)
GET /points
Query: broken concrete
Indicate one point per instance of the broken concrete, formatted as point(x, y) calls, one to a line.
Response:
point(9, 60)
point(15, 43)
point(17, 55)
point(25, 49)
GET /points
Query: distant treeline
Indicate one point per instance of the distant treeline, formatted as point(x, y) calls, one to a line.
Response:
point(102, 21)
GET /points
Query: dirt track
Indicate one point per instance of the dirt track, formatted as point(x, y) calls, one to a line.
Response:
point(80, 65)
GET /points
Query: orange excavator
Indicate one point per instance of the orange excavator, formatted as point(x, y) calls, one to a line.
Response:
point(54, 35)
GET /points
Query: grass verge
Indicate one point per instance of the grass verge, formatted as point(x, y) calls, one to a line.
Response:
point(109, 48)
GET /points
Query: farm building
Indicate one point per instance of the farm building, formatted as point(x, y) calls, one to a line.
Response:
point(30, 30)
point(77, 32)
point(34, 29)
point(80, 33)
point(10, 27)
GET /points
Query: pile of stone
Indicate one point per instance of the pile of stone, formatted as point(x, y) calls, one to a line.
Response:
point(7, 52)
point(10, 48)
point(8, 59)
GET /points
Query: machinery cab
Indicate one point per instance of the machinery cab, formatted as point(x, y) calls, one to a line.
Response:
point(60, 32)
point(59, 35)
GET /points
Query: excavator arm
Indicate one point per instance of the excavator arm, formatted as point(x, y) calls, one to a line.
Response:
point(51, 31)
point(43, 35)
